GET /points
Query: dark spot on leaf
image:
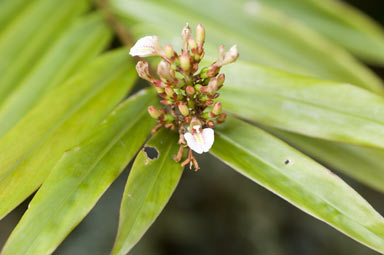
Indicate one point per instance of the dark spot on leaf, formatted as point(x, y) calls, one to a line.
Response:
point(151, 152)
point(287, 161)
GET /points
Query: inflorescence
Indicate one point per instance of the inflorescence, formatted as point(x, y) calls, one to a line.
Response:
point(188, 94)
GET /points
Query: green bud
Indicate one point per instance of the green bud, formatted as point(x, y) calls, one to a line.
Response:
point(217, 108)
point(154, 112)
point(169, 91)
point(200, 35)
point(184, 62)
point(183, 108)
point(169, 51)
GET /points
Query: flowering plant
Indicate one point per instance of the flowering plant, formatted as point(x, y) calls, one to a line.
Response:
point(187, 95)
point(67, 130)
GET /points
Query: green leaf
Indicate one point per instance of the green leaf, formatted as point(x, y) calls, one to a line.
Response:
point(25, 39)
point(149, 187)
point(341, 23)
point(363, 164)
point(299, 180)
point(10, 9)
point(76, 47)
point(80, 178)
point(323, 109)
point(259, 34)
point(63, 118)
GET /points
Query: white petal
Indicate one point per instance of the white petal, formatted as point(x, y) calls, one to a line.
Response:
point(145, 47)
point(193, 143)
point(208, 137)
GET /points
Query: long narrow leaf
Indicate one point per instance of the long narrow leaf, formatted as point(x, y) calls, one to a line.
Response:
point(27, 37)
point(363, 164)
point(342, 23)
point(75, 48)
point(80, 178)
point(63, 118)
point(299, 180)
point(323, 109)
point(149, 187)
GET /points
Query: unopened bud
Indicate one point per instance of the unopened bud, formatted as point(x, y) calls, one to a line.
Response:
point(185, 35)
point(221, 117)
point(200, 35)
point(210, 124)
point(142, 69)
point(192, 44)
point(169, 52)
point(203, 89)
point(169, 91)
point(220, 80)
point(183, 108)
point(212, 86)
point(217, 108)
point(166, 102)
point(230, 56)
point(154, 112)
point(184, 62)
point(190, 90)
point(165, 72)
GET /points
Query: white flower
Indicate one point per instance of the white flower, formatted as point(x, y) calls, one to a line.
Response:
point(146, 46)
point(200, 141)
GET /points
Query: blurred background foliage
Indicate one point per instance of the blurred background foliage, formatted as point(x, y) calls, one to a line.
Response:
point(214, 211)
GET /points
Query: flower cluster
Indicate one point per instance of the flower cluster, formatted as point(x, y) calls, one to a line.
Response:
point(189, 96)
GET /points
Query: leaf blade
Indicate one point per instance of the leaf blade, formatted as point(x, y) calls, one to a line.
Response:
point(80, 178)
point(146, 194)
point(304, 105)
point(302, 182)
point(61, 120)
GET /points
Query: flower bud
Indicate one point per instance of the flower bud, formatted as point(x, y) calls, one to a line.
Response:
point(200, 35)
point(169, 91)
point(190, 90)
point(184, 62)
point(166, 102)
point(142, 69)
point(169, 52)
point(217, 108)
point(230, 56)
point(210, 124)
point(212, 86)
point(154, 112)
point(220, 80)
point(165, 72)
point(192, 44)
point(221, 118)
point(203, 89)
point(183, 108)
point(185, 35)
